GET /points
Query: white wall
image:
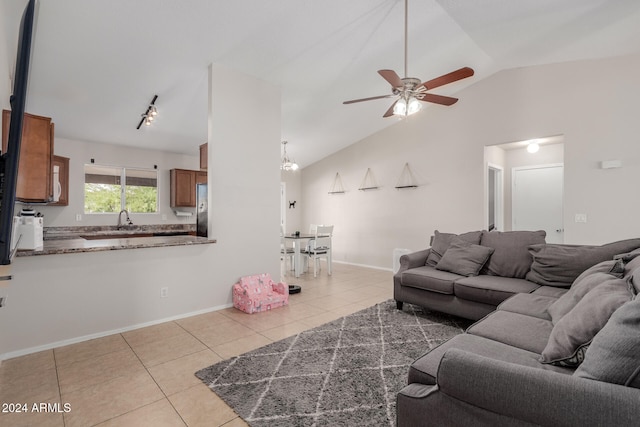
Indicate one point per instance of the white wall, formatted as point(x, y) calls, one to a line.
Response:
point(60, 299)
point(293, 182)
point(81, 153)
point(445, 148)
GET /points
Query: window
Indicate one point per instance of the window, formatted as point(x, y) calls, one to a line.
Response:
point(109, 189)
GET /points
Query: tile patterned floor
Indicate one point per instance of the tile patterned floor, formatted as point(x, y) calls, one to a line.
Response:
point(146, 377)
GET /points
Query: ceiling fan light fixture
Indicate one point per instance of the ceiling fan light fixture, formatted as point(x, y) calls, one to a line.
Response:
point(413, 106)
point(400, 108)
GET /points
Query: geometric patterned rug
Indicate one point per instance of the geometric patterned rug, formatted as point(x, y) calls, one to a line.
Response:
point(343, 373)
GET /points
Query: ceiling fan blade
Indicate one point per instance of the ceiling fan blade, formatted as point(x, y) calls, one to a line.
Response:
point(367, 99)
point(451, 77)
point(389, 112)
point(438, 99)
point(392, 77)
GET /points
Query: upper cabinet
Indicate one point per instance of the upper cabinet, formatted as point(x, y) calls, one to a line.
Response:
point(183, 187)
point(204, 156)
point(35, 169)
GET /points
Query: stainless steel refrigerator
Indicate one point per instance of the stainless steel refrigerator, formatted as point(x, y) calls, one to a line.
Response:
point(202, 212)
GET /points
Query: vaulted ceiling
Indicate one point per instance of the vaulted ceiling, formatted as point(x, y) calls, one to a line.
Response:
point(97, 64)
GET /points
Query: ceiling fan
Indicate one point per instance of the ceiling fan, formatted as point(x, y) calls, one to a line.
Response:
point(409, 90)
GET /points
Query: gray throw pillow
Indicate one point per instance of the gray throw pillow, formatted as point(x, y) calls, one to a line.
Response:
point(614, 354)
point(464, 258)
point(571, 336)
point(560, 265)
point(511, 257)
point(441, 242)
point(592, 277)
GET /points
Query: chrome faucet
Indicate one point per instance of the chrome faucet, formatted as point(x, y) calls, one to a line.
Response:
point(127, 219)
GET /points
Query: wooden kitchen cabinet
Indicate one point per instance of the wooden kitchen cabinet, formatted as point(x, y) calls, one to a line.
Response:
point(63, 164)
point(204, 156)
point(183, 187)
point(35, 169)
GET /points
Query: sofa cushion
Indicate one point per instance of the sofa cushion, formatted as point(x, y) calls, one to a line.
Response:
point(550, 291)
point(424, 370)
point(592, 277)
point(560, 265)
point(529, 305)
point(490, 289)
point(614, 353)
point(511, 257)
point(524, 332)
point(442, 241)
point(573, 333)
point(464, 258)
point(430, 279)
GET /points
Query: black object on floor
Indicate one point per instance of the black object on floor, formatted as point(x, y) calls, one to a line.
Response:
point(294, 289)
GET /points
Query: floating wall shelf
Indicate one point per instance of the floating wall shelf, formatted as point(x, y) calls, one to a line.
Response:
point(407, 179)
point(337, 187)
point(368, 182)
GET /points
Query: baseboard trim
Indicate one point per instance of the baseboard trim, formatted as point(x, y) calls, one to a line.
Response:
point(375, 267)
point(49, 346)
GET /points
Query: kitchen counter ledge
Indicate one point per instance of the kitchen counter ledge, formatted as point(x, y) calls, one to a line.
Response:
point(65, 240)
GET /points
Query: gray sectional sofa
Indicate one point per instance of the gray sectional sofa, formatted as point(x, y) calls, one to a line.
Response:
point(470, 274)
point(557, 355)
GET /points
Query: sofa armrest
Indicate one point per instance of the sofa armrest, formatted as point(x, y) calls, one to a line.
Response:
point(413, 260)
point(535, 395)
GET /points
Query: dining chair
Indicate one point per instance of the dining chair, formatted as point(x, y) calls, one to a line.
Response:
point(320, 247)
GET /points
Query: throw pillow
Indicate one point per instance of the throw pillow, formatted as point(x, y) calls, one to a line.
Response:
point(571, 336)
point(592, 277)
point(614, 354)
point(464, 258)
point(441, 242)
point(511, 257)
point(560, 265)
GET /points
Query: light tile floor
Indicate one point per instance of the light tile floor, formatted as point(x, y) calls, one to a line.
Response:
point(145, 377)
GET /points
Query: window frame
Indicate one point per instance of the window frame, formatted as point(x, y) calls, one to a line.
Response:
point(123, 188)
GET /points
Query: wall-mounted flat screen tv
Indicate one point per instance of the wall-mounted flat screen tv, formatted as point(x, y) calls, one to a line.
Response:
point(9, 159)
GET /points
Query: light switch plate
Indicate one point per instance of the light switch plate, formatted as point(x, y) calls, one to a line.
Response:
point(581, 217)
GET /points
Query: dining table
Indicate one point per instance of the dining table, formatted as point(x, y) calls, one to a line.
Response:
point(298, 242)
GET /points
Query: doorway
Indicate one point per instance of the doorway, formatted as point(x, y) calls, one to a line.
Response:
point(537, 194)
point(495, 198)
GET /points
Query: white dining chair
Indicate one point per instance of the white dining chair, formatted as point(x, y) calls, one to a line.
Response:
point(320, 247)
point(286, 251)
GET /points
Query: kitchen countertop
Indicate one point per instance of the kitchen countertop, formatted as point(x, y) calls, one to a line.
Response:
point(64, 240)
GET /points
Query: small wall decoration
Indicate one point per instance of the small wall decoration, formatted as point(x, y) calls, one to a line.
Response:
point(337, 187)
point(292, 205)
point(407, 179)
point(368, 182)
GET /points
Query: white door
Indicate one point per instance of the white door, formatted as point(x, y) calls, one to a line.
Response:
point(537, 193)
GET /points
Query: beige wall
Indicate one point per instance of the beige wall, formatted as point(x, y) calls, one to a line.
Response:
point(61, 299)
point(592, 103)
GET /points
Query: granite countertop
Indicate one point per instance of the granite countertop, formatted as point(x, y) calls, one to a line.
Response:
point(64, 240)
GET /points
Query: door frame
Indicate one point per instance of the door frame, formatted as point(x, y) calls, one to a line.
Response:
point(498, 205)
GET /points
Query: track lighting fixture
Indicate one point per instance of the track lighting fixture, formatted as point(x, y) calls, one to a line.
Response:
point(149, 115)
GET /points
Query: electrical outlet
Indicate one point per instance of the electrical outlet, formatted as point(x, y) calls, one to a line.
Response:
point(78, 217)
point(3, 301)
point(581, 217)
point(164, 292)
point(164, 217)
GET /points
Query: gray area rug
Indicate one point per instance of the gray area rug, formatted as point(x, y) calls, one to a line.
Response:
point(343, 373)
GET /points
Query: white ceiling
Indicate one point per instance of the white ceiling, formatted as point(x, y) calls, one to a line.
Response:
point(97, 64)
